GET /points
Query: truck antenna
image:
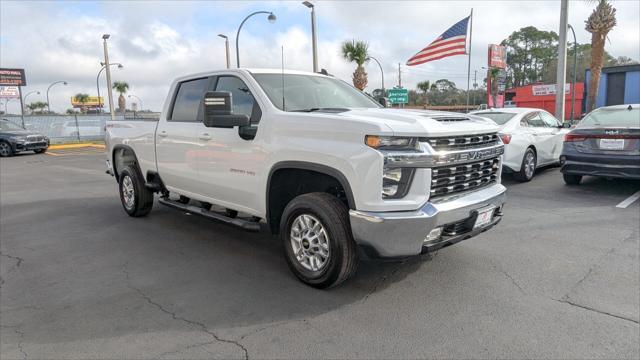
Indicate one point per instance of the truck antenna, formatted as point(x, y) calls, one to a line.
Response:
point(283, 105)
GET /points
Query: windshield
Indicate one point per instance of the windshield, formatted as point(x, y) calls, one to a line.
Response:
point(613, 117)
point(308, 93)
point(6, 125)
point(499, 118)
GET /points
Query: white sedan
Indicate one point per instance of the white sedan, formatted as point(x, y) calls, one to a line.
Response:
point(531, 137)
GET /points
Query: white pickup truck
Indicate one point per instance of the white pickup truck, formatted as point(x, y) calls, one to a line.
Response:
point(311, 158)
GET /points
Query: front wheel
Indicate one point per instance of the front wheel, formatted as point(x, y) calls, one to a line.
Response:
point(572, 179)
point(136, 199)
point(318, 244)
point(528, 167)
point(5, 149)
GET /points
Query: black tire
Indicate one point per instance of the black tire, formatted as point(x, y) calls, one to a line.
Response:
point(570, 179)
point(342, 260)
point(5, 149)
point(528, 166)
point(40, 151)
point(140, 201)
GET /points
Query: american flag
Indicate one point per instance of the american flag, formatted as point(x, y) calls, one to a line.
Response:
point(451, 42)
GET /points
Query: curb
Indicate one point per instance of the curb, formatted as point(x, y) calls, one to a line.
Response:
point(75, 146)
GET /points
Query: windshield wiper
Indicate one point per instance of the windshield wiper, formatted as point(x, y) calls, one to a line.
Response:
point(329, 109)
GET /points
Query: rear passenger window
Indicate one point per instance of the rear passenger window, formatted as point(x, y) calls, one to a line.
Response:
point(187, 104)
point(535, 120)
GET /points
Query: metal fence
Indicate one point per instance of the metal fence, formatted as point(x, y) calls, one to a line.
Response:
point(72, 128)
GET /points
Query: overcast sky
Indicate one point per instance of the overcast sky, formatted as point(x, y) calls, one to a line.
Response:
point(160, 40)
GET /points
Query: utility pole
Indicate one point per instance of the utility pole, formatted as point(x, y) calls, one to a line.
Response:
point(475, 85)
point(399, 77)
point(107, 68)
point(561, 71)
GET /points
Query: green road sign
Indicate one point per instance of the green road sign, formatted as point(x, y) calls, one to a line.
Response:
point(399, 96)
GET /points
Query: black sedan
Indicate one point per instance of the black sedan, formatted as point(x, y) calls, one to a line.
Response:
point(606, 143)
point(15, 139)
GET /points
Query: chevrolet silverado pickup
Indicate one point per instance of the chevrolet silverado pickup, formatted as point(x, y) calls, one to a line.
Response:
point(312, 159)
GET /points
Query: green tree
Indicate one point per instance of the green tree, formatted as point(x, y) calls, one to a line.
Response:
point(424, 86)
point(37, 106)
point(121, 87)
point(358, 52)
point(599, 23)
point(529, 52)
point(82, 99)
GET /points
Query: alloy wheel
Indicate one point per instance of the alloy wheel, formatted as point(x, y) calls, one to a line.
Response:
point(128, 192)
point(310, 242)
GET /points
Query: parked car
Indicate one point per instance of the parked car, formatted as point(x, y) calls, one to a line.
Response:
point(323, 165)
point(15, 139)
point(605, 143)
point(532, 138)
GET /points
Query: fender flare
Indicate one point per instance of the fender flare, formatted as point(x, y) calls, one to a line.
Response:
point(113, 157)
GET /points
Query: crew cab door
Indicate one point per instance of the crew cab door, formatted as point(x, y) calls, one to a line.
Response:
point(176, 137)
point(232, 159)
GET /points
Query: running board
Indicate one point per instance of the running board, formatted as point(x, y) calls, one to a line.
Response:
point(240, 223)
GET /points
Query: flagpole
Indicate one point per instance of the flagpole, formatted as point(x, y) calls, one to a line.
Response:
point(469, 59)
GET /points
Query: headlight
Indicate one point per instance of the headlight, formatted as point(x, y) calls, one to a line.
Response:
point(392, 142)
point(396, 182)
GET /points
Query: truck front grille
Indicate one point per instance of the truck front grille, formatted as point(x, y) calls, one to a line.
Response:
point(449, 180)
point(463, 142)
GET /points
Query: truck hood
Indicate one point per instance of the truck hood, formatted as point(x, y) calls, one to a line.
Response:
point(422, 122)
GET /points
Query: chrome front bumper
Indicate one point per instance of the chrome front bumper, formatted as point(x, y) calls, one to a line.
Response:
point(403, 233)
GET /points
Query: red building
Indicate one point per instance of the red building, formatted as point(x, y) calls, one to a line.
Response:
point(541, 96)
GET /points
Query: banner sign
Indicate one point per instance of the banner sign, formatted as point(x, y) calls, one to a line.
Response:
point(497, 56)
point(92, 101)
point(12, 77)
point(9, 92)
point(542, 90)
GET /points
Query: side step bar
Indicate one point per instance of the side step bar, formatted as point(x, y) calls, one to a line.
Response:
point(240, 223)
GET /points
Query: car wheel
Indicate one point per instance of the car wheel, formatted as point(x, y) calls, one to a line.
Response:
point(572, 179)
point(318, 244)
point(136, 199)
point(528, 166)
point(40, 151)
point(5, 149)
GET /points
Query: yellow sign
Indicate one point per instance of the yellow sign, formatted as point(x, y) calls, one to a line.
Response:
point(91, 101)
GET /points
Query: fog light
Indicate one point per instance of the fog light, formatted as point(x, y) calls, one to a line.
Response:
point(434, 235)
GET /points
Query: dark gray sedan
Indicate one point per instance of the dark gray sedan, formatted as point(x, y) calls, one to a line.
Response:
point(15, 139)
point(606, 143)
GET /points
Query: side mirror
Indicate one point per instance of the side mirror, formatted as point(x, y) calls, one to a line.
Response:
point(383, 101)
point(566, 125)
point(218, 111)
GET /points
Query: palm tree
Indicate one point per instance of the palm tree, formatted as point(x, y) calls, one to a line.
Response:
point(82, 99)
point(599, 23)
point(425, 86)
point(358, 52)
point(37, 106)
point(121, 87)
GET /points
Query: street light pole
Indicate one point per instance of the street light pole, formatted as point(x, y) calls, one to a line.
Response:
point(561, 71)
point(48, 103)
point(575, 63)
point(314, 39)
point(120, 66)
point(27, 95)
point(226, 47)
point(271, 18)
point(381, 72)
point(107, 67)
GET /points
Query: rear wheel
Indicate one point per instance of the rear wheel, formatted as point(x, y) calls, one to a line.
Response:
point(528, 167)
point(317, 240)
point(5, 149)
point(570, 179)
point(136, 199)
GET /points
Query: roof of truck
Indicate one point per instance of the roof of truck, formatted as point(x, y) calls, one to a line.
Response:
point(247, 70)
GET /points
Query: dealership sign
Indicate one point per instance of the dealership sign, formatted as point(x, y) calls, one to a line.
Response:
point(12, 77)
point(497, 56)
point(92, 101)
point(9, 92)
point(541, 90)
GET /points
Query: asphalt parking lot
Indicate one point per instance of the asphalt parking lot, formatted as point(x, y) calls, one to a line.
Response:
point(558, 278)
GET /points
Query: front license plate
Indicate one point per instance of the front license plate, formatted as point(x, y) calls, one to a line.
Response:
point(611, 144)
point(483, 218)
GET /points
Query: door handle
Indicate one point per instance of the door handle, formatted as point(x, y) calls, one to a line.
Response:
point(163, 134)
point(205, 136)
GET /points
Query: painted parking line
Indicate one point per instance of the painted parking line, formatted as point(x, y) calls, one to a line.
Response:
point(75, 151)
point(628, 201)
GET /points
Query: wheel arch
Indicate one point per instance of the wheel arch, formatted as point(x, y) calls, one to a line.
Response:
point(121, 156)
point(325, 173)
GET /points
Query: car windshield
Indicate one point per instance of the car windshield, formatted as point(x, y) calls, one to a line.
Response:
point(311, 93)
point(613, 117)
point(499, 118)
point(6, 125)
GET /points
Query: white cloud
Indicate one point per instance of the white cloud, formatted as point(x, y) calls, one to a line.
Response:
point(158, 41)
